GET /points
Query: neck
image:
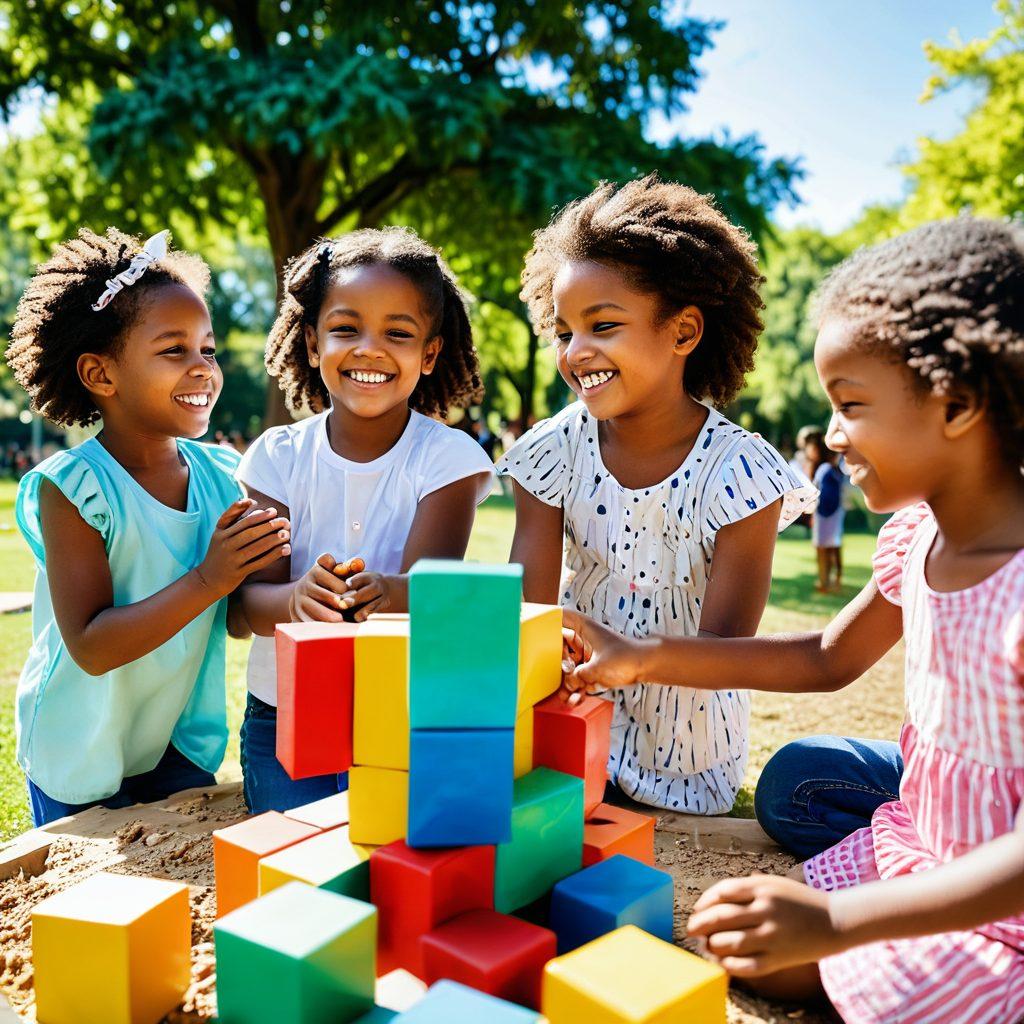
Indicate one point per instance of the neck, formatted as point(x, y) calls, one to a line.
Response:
point(659, 425)
point(364, 439)
point(133, 446)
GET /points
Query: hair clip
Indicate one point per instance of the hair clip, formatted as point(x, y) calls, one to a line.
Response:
point(154, 249)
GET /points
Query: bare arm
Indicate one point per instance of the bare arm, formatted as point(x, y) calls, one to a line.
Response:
point(537, 546)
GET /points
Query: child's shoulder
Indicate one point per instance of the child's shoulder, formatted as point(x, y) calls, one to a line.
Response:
point(217, 456)
point(894, 540)
point(437, 452)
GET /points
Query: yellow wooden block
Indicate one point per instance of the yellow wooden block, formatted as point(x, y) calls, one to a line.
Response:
point(522, 753)
point(378, 804)
point(113, 949)
point(540, 653)
point(329, 861)
point(630, 977)
point(380, 717)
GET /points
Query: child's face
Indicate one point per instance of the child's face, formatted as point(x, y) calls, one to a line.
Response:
point(373, 340)
point(891, 434)
point(611, 348)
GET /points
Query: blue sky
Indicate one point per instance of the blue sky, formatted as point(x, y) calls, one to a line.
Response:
point(836, 81)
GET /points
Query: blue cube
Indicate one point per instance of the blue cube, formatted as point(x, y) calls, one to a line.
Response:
point(448, 1002)
point(608, 895)
point(460, 787)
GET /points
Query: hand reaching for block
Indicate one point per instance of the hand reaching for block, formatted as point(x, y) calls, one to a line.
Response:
point(319, 595)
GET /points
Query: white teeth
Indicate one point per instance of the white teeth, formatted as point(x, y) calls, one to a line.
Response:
point(591, 380)
point(365, 377)
point(200, 401)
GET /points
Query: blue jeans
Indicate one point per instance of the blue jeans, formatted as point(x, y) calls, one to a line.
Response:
point(816, 791)
point(265, 784)
point(174, 773)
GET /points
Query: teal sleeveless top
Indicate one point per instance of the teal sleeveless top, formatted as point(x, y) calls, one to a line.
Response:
point(79, 736)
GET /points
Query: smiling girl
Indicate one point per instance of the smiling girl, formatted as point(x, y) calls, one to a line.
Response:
point(374, 337)
point(139, 534)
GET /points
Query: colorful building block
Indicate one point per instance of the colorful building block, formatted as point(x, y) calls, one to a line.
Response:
point(296, 956)
point(464, 649)
point(330, 861)
point(502, 956)
point(460, 787)
point(630, 977)
point(575, 739)
point(330, 812)
point(381, 722)
point(608, 895)
point(113, 948)
point(448, 1002)
point(522, 755)
point(238, 849)
point(378, 1015)
point(416, 890)
point(398, 990)
point(378, 801)
point(547, 838)
point(540, 653)
point(315, 669)
point(610, 830)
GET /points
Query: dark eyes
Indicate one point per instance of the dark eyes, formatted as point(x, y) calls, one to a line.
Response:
point(177, 350)
point(348, 330)
point(601, 327)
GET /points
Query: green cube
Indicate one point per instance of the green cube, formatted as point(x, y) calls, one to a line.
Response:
point(547, 838)
point(296, 956)
point(464, 645)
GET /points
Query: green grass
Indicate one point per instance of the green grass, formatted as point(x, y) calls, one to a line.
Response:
point(792, 590)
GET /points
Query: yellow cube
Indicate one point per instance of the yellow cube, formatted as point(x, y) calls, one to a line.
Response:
point(380, 717)
point(113, 949)
point(540, 653)
point(378, 803)
point(630, 977)
point(329, 861)
point(522, 751)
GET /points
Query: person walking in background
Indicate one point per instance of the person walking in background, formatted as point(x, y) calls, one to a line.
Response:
point(801, 463)
point(827, 525)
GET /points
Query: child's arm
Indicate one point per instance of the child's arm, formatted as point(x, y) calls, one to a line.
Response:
point(101, 636)
point(537, 546)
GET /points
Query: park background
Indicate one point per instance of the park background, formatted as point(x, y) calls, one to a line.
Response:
point(250, 128)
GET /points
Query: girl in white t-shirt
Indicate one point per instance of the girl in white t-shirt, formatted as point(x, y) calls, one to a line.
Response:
point(374, 337)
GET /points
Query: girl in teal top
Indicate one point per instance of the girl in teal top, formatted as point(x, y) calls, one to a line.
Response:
point(139, 534)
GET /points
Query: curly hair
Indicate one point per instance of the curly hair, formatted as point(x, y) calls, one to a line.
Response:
point(672, 242)
point(455, 381)
point(55, 323)
point(946, 299)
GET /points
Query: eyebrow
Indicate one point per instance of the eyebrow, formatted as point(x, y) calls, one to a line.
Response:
point(182, 334)
point(596, 308)
point(836, 381)
point(404, 317)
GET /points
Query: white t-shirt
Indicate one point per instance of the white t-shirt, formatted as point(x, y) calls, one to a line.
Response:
point(351, 508)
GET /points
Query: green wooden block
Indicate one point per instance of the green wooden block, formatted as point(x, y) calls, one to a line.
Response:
point(464, 647)
point(298, 955)
point(547, 838)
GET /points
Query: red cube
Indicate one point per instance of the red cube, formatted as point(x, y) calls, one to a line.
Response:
point(611, 830)
point(500, 955)
point(575, 740)
point(417, 890)
point(315, 673)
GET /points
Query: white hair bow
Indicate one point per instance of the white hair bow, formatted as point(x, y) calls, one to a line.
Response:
point(154, 249)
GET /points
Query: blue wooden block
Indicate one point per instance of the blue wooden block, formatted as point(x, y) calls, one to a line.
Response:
point(378, 1015)
point(464, 645)
point(460, 787)
point(608, 895)
point(448, 1002)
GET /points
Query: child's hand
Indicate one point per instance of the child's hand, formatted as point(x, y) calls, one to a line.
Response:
point(318, 596)
point(595, 658)
point(244, 541)
point(371, 592)
point(764, 923)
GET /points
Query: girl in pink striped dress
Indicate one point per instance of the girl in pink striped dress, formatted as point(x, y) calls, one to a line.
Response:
point(918, 917)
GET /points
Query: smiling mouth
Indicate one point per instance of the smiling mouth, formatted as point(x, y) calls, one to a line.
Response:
point(589, 381)
point(368, 377)
point(200, 400)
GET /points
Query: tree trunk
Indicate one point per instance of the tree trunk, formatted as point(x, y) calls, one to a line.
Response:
point(528, 391)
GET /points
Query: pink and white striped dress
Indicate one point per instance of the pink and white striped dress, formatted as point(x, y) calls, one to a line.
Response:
point(963, 783)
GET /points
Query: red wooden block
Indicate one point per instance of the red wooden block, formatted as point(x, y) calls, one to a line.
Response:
point(416, 890)
point(575, 740)
point(315, 672)
point(611, 830)
point(500, 955)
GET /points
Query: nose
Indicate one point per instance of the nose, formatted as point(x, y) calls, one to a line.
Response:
point(369, 346)
point(579, 351)
point(201, 369)
point(835, 436)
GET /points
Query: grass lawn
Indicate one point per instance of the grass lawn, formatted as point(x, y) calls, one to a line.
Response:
point(793, 606)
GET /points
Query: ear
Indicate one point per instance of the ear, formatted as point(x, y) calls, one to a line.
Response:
point(689, 324)
point(431, 351)
point(964, 411)
point(312, 351)
point(94, 374)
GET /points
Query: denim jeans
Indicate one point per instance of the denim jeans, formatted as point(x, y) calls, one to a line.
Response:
point(265, 784)
point(174, 773)
point(816, 791)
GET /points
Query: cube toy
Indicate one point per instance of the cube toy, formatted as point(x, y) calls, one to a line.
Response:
point(378, 801)
point(490, 952)
point(295, 956)
point(540, 653)
point(398, 990)
point(315, 669)
point(575, 739)
point(330, 861)
point(464, 648)
point(378, 1015)
point(610, 830)
point(522, 754)
point(460, 787)
point(381, 717)
point(113, 948)
point(448, 1002)
point(416, 890)
point(608, 895)
point(630, 977)
point(547, 838)
point(330, 812)
point(238, 849)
